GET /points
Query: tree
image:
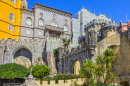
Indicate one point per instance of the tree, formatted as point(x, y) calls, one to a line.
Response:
point(66, 42)
point(56, 51)
point(99, 72)
point(40, 71)
point(12, 71)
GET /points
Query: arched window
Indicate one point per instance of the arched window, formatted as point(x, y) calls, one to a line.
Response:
point(65, 28)
point(54, 23)
point(41, 22)
point(29, 21)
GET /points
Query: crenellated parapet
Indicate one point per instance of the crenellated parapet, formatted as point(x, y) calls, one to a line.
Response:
point(104, 24)
point(27, 12)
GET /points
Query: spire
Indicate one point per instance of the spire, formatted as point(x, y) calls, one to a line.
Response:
point(84, 9)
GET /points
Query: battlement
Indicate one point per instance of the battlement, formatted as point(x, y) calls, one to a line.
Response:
point(10, 40)
point(102, 22)
point(74, 51)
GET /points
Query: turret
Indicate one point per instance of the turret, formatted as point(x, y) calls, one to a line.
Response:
point(24, 4)
point(92, 40)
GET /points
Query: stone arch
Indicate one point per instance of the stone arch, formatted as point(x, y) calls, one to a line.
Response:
point(22, 55)
point(76, 67)
point(72, 61)
point(124, 83)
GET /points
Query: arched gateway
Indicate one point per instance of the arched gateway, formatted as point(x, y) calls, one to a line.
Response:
point(76, 67)
point(23, 56)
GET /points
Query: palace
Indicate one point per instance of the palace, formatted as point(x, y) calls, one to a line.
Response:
point(30, 34)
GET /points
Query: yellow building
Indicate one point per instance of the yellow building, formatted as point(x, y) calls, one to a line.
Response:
point(10, 18)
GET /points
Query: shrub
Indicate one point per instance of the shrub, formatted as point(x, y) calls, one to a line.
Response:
point(40, 71)
point(12, 71)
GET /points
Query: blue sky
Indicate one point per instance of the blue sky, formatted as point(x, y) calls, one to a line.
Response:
point(116, 8)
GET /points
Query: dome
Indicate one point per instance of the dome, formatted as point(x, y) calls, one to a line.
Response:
point(84, 9)
point(102, 16)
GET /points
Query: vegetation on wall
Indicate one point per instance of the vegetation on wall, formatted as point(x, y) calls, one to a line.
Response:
point(99, 73)
point(12, 71)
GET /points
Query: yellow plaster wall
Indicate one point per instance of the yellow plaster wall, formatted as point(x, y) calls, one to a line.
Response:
point(71, 82)
point(7, 6)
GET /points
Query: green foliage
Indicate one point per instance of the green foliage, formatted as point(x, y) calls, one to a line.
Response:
point(12, 71)
point(56, 51)
point(66, 41)
point(100, 69)
point(40, 71)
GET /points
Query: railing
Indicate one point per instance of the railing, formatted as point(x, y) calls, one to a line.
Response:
point(49, 27)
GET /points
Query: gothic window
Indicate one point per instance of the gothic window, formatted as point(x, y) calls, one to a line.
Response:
point(12, 1)
point(54, 23)
point(41, 22)
point(11, 16)
point(29, 21)
point(10, 27)
point(65, 28)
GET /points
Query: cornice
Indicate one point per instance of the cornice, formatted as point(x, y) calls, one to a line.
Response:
point(49, 9)
point(28, 12)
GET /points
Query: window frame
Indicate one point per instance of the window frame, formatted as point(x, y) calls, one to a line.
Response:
point(39, 23)
point(67, 28)
point(27, 21)
point(55, 22)
point(27, 31)
point(12, 1)
point(39, 32)
point(9, 17)
point(9, 26)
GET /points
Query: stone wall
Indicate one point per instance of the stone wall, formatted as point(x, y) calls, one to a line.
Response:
point(107, 42)
point(122, 63)
point(11, 47)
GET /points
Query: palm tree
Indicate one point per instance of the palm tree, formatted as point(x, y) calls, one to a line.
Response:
point(66, 43)
point(109, 57)
point(100, 71)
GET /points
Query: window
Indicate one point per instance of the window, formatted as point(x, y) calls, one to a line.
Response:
point(99, 33)
point(41, 14)
point(10, 27)
point(29, 21)
point(12, 1)
point(65, 28)
point(11, 17)
point(40, 22)
point(28, 31)
point(65, 20)
point(54, 16)
point(53, 23)
point(40, 32)
point(124, 28)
